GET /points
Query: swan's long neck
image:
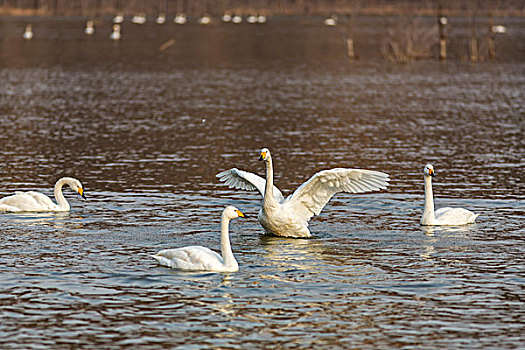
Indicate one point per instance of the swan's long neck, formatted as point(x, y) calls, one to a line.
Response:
point(428, 213)
point(59, 196)
point(268, 191)
point(226, 249)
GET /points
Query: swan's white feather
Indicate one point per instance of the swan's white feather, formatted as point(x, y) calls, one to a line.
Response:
point(311, 197)
point(27, 201)
point(192, 258)
point(454, 216)
point(244, 180)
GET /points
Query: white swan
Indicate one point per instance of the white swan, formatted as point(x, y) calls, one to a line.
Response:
point(443, 216)
point(197, 258)
point(90, 27)
point(28, 33)
point(115, 34)
point(289, 217)
point(35, 201)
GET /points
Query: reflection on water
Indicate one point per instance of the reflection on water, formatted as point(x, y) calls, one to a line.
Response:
point(147, 132)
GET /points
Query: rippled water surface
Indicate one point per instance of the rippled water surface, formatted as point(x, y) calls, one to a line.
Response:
point(146, 132)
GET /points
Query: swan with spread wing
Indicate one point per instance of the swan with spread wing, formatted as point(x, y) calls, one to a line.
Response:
point(289, 217)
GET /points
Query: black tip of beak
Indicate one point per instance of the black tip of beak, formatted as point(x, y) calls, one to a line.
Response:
point(83, 195)
point(433, 174)
point(261, 158)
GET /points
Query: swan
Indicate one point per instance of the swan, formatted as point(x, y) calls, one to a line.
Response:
point(35, 201)
point(289, 217)
point(443, 216)
point(119, 18)
point(204, 19)
point(90, 28)
point(28, 33)
point(115, 34)
point(161, 18)
point(180, 18)
point(236, 19)
point(197, 258)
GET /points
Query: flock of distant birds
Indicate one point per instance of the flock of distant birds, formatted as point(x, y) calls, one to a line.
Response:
point(180, 18)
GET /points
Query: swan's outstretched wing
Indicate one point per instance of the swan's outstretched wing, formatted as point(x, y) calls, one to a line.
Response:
point(311, 197)
point(244, 180)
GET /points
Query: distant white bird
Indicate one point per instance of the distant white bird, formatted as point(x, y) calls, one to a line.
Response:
point(261, 19)
point(139, 18)
point(28, 33)
point(197, 258)
point(237, 19)
point(115, 34)
point(289, 217)
point(330, 21)
point(204, 20)
point(161, 18)
point(498, 29)
point(180, 18)
point(90, 28)
point(227, 17)
point(443, 216)
point(36, 202)
point(119, 18)
point(251, 19)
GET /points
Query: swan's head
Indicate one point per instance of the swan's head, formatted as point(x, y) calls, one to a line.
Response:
point(429, 170)
point(75, 185)
point(231, 212)
point(264, 154)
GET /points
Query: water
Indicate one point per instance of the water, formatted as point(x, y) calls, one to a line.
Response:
point(146, 132)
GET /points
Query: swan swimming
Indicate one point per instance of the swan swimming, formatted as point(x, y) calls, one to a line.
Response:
point(443, 216)
point(197, 258)
point(32, 201)
point(289, 217)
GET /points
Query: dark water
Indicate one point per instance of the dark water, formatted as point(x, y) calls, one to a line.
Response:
point(146, 132)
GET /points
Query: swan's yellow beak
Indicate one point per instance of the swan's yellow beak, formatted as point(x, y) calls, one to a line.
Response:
point(431, 172)
point(241, 215)
point(81, 192)
point(263, 156)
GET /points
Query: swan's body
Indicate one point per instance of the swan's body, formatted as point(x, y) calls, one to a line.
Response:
point(119, 18)
point(237, 19)
point(37, 202)
point(330, 21)
point(443, 216)
point(197, 258)
point(161, 18)
point(139, 18)
point(180, 18)
point(289, 217)
point(204, 20)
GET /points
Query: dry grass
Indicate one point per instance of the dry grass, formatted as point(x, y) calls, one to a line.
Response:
point(408, 40)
